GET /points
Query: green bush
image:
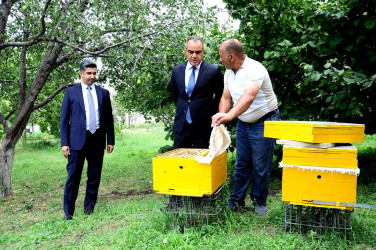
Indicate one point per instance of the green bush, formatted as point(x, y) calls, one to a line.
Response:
point(367, 149)
point(367, 159)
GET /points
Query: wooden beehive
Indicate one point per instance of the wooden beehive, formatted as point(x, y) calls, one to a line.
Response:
point(334, 157)
point(177, 173)
point(312, 173)
point(301, 186)
point(315, 132)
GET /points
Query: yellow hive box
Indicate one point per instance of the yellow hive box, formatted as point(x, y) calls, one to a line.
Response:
point(178, 173)
point(315, 132)
point(302, 187)
point(335, 157)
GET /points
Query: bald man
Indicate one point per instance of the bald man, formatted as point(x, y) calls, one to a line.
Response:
point(248, 86)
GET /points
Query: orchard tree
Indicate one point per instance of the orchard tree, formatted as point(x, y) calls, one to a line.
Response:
point(321, 55)
point(142, 81)
point(43, 41)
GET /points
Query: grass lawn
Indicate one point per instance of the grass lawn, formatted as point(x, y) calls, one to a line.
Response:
point(128, 212)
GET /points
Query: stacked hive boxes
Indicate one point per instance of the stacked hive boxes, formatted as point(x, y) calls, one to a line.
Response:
point(178, 173)
point(314, 167)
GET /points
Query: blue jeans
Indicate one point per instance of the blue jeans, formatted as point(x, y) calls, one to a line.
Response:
point(254, 156)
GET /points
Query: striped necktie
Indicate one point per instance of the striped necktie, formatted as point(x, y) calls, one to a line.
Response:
point(92, 116)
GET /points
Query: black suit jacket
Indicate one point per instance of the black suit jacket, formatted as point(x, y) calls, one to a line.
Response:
point(73, 118)
point(204, 99)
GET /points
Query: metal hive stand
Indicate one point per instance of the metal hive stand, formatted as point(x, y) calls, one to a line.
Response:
point(318, 218)
point(194, 210)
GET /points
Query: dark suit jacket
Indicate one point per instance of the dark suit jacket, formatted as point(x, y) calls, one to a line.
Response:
point(204, 99)
point(73, 118)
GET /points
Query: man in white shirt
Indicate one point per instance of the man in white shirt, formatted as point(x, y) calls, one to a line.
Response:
point(247, 84)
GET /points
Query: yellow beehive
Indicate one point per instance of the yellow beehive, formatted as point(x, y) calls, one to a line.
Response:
point(315, 132)
point(178, 173)
point(335, 157)
point(301, 186)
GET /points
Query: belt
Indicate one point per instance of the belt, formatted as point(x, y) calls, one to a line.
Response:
point(266, 116)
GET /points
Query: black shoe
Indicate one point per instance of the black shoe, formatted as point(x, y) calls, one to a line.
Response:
point(236, 207)
point(88, 211)
point(68, 217)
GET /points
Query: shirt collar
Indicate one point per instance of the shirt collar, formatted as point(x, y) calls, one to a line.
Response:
point(246, 61)
point(84, 86)
point(189, 66)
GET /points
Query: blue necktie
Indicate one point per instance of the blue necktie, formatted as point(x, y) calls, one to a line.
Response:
point(92, 116)
point(190, 87)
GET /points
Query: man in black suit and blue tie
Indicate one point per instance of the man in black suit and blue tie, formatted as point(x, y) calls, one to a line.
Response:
point(197, 88)
point(86, 119)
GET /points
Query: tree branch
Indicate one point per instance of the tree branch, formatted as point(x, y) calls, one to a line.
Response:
point(101, 51)
point(42, 21)
point(5, 7)
point(35, 40)
point(22, 84)
point(3, 122)
point(10, 114)
point(50, 98)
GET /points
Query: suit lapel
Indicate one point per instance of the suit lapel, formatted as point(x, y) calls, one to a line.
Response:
point(80, 96)
point(201, 75)
point(181, 75)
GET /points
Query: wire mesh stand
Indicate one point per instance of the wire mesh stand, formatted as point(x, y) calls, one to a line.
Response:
point(317, 218)
point(192, 211)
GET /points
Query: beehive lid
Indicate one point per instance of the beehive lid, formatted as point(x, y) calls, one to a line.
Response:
point(315, 131)
point(184, 153)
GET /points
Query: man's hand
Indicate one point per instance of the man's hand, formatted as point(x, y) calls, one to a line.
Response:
point(110, 148)
point(220, 118)
point(66, 151)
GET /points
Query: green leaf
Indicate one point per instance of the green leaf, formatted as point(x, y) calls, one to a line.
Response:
point(334, 42)
point(266, 54)
point(349, 47)
point(349, 80)
point(370, 23)
point(308, 68)
point(312, 44)
point(315, 76)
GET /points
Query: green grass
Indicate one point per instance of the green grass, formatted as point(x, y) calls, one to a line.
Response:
point(128, 211)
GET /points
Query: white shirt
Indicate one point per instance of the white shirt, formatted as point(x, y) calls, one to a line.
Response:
point(188, 72)
point(95, 98)
point(252, 72)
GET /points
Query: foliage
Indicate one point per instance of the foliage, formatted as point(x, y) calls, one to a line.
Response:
point(128, 212)
point(42, 43)
point(367, 149)
point(367, 159)
point(321, 55)
point(141, 76)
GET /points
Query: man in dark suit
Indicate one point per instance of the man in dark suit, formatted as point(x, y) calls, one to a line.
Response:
point(197, 88)
point(86, 119)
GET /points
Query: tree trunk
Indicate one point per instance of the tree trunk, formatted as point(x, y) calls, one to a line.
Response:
point(6, 163)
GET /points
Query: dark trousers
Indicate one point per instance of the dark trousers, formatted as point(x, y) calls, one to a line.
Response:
point(191, 139)
point(93, 153)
